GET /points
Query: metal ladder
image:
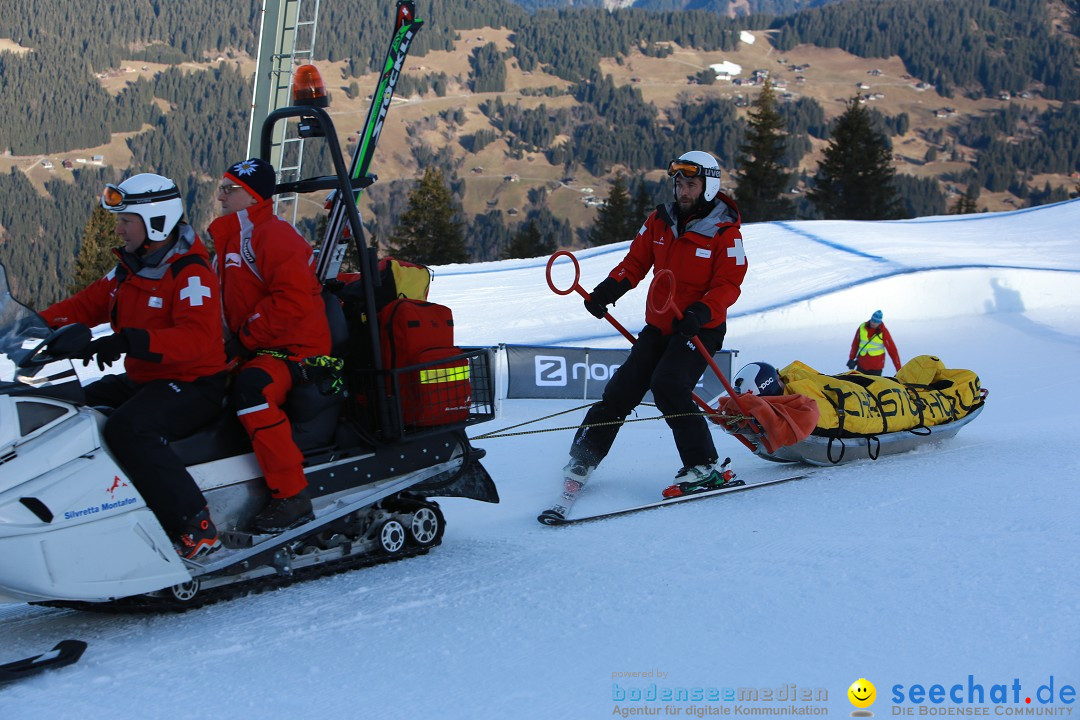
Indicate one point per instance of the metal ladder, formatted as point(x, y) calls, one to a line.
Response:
point(286, 40)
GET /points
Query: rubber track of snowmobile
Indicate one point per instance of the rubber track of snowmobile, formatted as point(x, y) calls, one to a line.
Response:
point(165, 602)
point(204, 597)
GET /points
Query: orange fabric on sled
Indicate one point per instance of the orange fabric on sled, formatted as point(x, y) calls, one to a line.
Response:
point(786, 419)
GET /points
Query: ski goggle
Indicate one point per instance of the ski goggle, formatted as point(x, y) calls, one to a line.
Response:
point(689, 169)
point(114, 198)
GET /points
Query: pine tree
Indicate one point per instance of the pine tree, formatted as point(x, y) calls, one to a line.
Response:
point(643, 204)
point(761, 177)
point(429, 231)
point(615, 217)
point(527, 242)
point(95, 256)
point(966, 204)
point(854, 181)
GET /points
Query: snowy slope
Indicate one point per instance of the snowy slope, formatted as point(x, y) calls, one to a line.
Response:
point(924, 568)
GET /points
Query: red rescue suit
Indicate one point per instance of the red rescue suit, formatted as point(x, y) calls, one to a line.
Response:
point(707, 260)
point(271, 297)
point(272, 301)
point(708, 263)
point(171, 313)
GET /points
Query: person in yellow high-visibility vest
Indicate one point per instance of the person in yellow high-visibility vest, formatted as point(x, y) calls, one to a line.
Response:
point(872, 340)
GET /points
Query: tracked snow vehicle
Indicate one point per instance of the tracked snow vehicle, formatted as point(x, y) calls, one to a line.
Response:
point(74, 531)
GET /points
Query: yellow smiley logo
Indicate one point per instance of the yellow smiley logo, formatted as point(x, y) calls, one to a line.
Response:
point(862, 693)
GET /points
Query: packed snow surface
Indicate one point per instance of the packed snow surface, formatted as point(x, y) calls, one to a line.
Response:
point(954, 565)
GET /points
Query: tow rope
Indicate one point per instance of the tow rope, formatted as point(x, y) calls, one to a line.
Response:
point(502, 432)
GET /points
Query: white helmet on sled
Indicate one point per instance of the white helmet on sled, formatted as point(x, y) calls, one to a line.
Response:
point(758, 379)
point(154, 198)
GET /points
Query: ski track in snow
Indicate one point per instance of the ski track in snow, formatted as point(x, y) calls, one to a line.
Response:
point(951, 560)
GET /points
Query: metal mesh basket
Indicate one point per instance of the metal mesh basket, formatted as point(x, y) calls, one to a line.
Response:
point(456, 390)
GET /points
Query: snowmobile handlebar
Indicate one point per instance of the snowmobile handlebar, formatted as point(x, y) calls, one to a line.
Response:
point(61, 344)
point(576, 287)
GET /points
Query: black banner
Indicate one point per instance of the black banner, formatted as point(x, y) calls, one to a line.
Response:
point(536, 371)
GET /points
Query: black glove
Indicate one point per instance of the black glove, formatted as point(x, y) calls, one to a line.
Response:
point(236, 349)
point(851, 364)
point(108, 350)
point(69, 341)
point(323, 370)
point(696, 315)
point(604, 294)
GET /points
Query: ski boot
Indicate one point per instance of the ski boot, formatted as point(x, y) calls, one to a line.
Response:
point(199, 538)
point(703, 478)
point(575, 474)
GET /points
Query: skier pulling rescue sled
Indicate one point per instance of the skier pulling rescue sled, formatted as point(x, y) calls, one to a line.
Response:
point(697, 236)
point(378, 439)
point(783, 416)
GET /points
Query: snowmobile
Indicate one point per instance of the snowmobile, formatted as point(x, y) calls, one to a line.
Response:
point(75, 532)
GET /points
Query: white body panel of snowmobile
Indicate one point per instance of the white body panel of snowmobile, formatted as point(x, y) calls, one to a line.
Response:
point(72, 526)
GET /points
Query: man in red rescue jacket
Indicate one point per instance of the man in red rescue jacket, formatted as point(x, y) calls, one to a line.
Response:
point(698, 238)
point(164, 306)
point(275, 314)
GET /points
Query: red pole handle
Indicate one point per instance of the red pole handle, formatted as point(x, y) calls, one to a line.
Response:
point(576, 287)
point(654, 300)
point(577, 274)
point(661, 302)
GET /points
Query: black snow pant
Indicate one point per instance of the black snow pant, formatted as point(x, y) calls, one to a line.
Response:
point(138, 430)
point(669, 365)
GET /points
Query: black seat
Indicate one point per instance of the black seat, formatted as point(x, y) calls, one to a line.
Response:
point(313, 410)
point(223, 437)
point(312, 414)
point(339, 326)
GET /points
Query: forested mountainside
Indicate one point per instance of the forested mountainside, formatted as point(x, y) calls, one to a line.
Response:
point(554, 86)
point(52, 103)
point(988, 47)
point(730, 8)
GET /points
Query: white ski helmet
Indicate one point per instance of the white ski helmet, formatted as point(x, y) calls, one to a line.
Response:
point(758, 379)
point(697, 163)
point(154, 198)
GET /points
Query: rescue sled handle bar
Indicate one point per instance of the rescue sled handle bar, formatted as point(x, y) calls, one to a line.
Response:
point(576, 287)
point(660, 303)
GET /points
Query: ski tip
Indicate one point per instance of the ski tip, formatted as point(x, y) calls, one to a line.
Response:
point(66, 652)
point(72, 649)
